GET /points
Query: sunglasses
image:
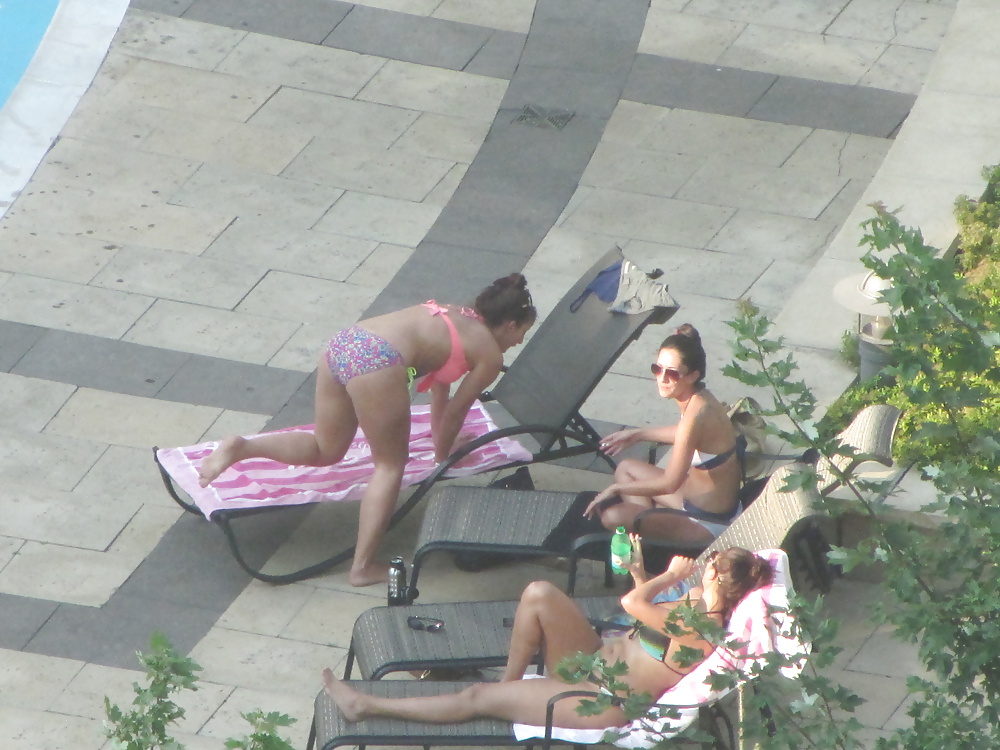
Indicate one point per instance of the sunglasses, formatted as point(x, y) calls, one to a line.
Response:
point(669, 372)
point(430, 624)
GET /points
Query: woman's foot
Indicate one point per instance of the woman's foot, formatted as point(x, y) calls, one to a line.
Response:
point(349, 701)
point(368, 574)
point(219, 460)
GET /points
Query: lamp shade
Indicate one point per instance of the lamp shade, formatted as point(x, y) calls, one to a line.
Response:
point(861, 292)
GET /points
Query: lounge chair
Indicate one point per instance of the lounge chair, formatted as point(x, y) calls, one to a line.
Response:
point(492, 521)
point(537, 401)
point(759, 623)
point(476, 634)
point(869, 438)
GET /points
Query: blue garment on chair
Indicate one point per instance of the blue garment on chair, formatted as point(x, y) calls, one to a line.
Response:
point(604, 285)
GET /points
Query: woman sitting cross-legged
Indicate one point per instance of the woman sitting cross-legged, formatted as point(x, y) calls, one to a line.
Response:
point(548, 620)
point(704, 469)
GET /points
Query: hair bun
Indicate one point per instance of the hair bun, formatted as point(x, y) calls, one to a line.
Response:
point(686, 329)
point(514, 280)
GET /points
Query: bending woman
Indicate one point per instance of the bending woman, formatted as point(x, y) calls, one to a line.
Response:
point(549, 620)
point(363, 379)
point(704, 469)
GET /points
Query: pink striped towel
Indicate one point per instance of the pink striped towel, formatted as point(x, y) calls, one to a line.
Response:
point(261, 482)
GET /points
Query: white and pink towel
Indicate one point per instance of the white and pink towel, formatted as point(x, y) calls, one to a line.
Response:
point(261, 482)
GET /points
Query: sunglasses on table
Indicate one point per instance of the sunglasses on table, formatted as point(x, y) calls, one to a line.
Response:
point(668, 372)
point(430, 624)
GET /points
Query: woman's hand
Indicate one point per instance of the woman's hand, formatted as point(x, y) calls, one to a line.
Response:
point(681, 567)
point(636, 565)
point(598, 504)
point(618, 441)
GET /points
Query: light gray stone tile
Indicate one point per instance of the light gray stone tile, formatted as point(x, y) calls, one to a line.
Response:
point(302, 351)
point(442, 193)
point(260, 243)
point(70, 307)
point(619, 214)
point(446, 92)
point(962, 114)
point(122, 471)
point(909, 23)
point(711, 274)
point(413, 7)
point(900, 69)
point(63, 573)
point(766, 235)
point(632, 122)
point(228, 721)
point(327, 618)
point(810, 317)
point(234, 423)
point(358, 123)
point(783, 15)
point(179, 276)
point(52, 255)
point(565, 250)
point(30, 403)
point(393, 174)
point(301, 65)
point(34, 681)
point(131, 421)
point(783, 190)
point(259, 662)
point(199, 92)
point(707, 134)
point(57, 460)
point(113, 120)
point(118, 218)
point(378, 218)
point(797, 53)
point(455, 139)
point(383, 263)
point(772, 288)
point(72, 163)
point(305, 299)
point(510, 15)
point(244, 193)
point(687, 36)
point(217, 333)
point(639, 170)
point(224, 142)
point(34, 728)
point(844, 154)
point(169, 39)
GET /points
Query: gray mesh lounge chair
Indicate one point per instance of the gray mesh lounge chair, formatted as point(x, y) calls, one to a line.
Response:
point(476, 635)
point(531, 524)
point(537, 400)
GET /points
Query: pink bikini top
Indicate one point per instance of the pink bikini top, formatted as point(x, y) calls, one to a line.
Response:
point(455, 366)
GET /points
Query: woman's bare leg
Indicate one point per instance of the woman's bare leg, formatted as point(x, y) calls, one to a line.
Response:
point(523, 701)
point(336, 425)
point(382, 402)
point(549, 620)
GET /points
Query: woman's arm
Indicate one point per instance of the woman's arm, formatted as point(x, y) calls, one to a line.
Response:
point(454, 410)
point(619, 440)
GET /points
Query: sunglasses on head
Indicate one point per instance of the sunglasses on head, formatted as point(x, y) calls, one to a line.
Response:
point(668, 372)
point(430, 624)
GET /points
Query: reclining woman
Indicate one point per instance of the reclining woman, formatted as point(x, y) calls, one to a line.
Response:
point(363, 379)
point(704, 470)
point(549, 620)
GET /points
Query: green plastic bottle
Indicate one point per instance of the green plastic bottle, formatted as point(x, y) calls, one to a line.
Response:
point(621, 551)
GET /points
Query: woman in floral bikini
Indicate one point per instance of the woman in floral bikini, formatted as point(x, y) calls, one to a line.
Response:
point(363, 379)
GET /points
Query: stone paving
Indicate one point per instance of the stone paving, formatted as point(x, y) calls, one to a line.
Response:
point(239, 182)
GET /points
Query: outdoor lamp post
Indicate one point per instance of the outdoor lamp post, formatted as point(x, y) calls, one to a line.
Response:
point(860, 293)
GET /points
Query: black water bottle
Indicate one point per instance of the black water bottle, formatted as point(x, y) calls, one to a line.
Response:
point(397, 582)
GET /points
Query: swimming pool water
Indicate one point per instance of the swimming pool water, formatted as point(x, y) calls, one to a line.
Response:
point(22, 25)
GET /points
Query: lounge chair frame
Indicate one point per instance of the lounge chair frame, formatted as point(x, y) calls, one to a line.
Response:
point(476, 636)
point(537, 399)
